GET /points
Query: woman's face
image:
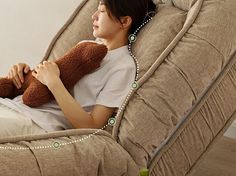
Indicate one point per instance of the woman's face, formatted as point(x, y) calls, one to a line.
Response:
point(103, 26)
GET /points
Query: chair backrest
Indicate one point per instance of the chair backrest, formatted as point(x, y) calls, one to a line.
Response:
point(179, 52)
point(181, 4)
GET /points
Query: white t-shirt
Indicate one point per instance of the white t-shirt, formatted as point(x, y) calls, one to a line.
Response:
point(108, 85)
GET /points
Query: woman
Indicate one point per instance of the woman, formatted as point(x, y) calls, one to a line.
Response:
point(97, 95)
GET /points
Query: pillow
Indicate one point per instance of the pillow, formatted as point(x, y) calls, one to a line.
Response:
point(146, 120)
point(181, 4)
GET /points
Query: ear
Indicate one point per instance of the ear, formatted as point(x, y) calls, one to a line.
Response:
point(126, 22)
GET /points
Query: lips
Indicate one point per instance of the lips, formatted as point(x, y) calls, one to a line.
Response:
point(94, 25)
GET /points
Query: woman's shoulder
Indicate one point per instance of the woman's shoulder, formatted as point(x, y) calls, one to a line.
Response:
point(122, 64)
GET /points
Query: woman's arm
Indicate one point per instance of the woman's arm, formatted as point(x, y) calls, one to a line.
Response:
point(49, 74)
point(73, 111)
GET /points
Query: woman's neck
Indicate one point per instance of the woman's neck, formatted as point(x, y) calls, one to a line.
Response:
point(115, 42)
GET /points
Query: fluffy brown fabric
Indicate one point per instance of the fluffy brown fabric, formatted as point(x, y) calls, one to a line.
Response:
point(82, 59)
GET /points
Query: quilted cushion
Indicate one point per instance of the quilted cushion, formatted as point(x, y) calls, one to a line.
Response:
point(147, 105)
point(181, 4)
point(173, 79)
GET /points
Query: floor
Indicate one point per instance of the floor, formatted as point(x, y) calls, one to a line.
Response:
point(220, 160)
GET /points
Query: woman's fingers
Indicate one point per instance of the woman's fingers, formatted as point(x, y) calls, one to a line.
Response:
point(11, 76)
point(16, 78)
point(34, 74)
point(20, 72)
point(26, 69)
point(17, 74)
point(38, 68)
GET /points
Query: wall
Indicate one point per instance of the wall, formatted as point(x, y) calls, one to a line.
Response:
point(27, 27)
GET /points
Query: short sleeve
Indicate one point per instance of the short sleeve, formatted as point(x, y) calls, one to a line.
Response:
point(117, 87)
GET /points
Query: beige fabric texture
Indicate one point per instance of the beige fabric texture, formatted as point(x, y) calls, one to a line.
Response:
point(16, 124)
point(178, 80)
point(186, 98)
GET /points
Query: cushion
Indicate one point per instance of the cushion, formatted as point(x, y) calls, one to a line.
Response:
point(181, 4)
point(150, 44)
point(173, 79)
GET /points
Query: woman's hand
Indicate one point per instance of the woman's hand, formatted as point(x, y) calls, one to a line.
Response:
point(47, 73)
point(16, 74)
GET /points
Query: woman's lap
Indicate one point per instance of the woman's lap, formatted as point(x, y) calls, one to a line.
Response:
point(13, 123)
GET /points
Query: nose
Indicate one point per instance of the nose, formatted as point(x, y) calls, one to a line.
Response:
point(94, 16)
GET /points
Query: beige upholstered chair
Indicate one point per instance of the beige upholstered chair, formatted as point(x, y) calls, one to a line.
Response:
point(185, 99)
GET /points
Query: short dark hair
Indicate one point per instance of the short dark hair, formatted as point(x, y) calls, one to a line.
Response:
point(136, 9)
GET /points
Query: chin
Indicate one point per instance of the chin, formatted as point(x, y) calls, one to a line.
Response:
point(95, 34)
point(100, 35)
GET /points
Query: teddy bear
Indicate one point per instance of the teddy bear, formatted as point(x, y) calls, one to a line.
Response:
point(82, 59)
